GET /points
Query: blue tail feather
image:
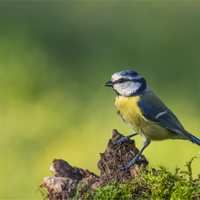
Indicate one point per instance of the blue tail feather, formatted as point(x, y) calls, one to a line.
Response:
point(195, 140)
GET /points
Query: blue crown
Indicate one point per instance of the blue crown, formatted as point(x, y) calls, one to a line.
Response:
point(129, 73)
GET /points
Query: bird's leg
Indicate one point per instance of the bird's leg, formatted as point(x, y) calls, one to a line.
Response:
point(124, 139)
point(146, 142)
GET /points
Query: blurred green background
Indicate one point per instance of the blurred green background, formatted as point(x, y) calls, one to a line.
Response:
point(55, 58)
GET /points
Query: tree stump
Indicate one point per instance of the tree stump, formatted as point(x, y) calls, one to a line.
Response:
point(66, 178)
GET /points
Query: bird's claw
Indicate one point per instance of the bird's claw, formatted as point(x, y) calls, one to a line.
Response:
point(132, 162)
point(125, 139)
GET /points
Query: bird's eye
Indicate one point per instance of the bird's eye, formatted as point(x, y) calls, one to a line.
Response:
point(121, 80)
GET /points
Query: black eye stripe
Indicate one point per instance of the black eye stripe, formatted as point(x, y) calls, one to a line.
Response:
point(121, 80)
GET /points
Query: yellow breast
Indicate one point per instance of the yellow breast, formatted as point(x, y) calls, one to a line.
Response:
point(129, 110)
point(131, 113)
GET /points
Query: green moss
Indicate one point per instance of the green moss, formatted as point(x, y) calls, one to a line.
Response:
point(151, 184)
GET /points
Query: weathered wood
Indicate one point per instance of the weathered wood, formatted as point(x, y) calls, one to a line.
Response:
point(64, 184)
point(115, 158)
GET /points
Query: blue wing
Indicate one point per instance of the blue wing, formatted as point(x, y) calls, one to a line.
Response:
point(165, 118)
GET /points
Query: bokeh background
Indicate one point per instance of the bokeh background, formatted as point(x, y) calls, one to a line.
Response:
point(55, 58)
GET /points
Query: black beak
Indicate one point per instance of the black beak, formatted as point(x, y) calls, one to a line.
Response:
point(108, 84)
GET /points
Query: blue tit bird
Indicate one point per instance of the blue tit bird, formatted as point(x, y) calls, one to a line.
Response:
point(144, 112)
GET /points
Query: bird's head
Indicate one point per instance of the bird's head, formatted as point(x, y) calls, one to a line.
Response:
point(128, 83)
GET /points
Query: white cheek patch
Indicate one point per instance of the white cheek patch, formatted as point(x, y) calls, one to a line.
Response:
point(127, 88)
point(131, 88)
point(135, 86)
